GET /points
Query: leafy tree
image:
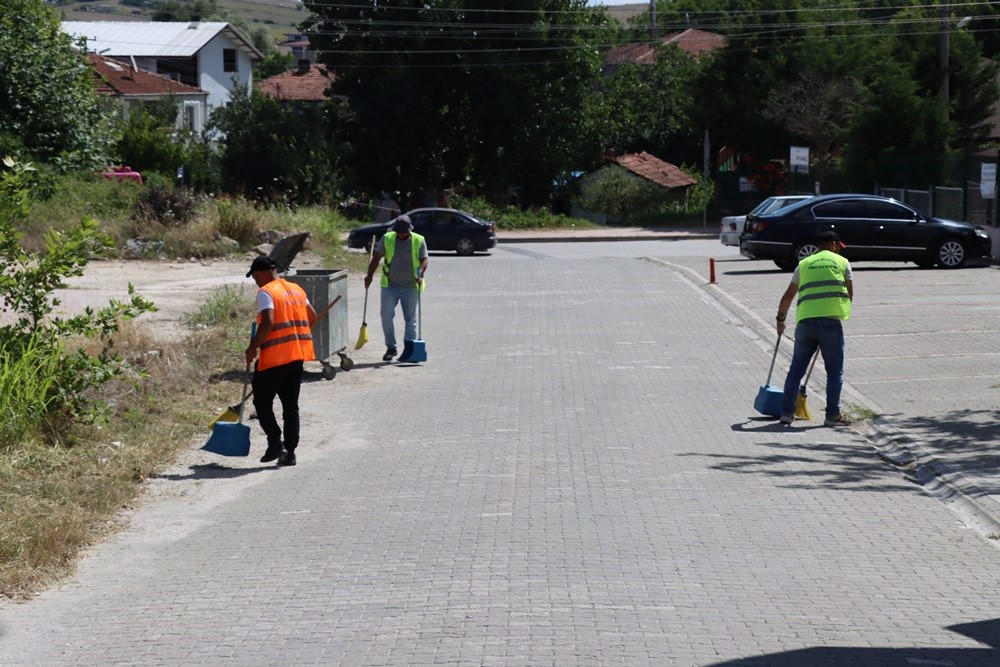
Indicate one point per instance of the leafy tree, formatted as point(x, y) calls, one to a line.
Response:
point(276, 150)
point(150, 143)
point(650, 107)
point(273, 63)
point(179, 10)
point(48, 107)
point(496, 94)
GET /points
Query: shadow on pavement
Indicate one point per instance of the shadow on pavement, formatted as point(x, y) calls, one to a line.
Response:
point(963, 439)
point(985, 632)
point(849, 467)
point(213, 471)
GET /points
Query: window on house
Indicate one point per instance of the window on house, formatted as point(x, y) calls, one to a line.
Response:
point(192, 119)
point(229, 60)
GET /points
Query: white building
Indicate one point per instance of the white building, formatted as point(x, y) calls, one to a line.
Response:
point(211, 56)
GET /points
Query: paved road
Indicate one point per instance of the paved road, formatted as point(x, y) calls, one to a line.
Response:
point(575, 477)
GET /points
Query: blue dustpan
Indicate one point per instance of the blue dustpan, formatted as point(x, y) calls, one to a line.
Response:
point(769, 397)
point(231, 438)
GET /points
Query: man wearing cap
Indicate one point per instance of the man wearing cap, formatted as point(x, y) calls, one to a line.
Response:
point(403, 272)
point(824, 284)
point(284, 340)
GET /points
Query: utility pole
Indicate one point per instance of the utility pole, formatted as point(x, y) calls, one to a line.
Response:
point(652, 19)
point(944, 48)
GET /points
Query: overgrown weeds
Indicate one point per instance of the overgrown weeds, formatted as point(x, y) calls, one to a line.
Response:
point(56, 500)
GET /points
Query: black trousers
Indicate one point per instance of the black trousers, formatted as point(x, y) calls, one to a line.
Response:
point(284, 382)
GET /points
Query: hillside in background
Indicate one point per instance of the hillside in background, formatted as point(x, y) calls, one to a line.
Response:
point(279, 16)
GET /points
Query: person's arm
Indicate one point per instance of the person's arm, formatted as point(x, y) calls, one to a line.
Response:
point(372, 265)
point(263, 331)
point(784, 305)
point(422, 267)
point(850, 290)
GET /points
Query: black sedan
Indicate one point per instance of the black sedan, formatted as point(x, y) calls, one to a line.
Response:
point(872, 228)
point(443, 229)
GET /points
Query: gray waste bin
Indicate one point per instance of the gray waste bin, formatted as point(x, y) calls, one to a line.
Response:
point(329, 333)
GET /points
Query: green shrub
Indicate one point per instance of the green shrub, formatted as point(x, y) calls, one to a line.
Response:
point(27, 285)
point(169, 207)
point(511, 217)
point(238, 220)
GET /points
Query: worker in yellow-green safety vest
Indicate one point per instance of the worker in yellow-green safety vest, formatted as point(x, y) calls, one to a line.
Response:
point(823, 287)
point(405, 255)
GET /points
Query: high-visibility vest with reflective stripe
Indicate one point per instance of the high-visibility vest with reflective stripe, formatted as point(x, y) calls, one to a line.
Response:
point(823, 287)
point(416, 240)
point(291, 338)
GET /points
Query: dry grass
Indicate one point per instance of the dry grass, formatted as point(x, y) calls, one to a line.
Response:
point(56, 500)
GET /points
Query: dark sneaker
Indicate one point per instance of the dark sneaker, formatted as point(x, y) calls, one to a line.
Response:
point(390, 352)
point(787, 419)
point(839, 420)
point(286, 459)
point(272, 453)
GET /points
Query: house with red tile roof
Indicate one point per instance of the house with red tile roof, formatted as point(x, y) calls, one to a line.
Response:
point(654, 169)
point(692, 41)
point(305, 83)
point(132, 88)
point(211, 55)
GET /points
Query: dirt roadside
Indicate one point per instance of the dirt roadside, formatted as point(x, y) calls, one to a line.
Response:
point(176, 287)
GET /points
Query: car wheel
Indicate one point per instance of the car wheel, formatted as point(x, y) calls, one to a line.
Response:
point(950, 254)
point(465, 247)
point(805, 249)
point(784, 264)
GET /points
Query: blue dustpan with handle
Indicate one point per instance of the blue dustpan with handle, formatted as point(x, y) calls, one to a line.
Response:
point(415, 351)
point(231, 438)
point(768, 401)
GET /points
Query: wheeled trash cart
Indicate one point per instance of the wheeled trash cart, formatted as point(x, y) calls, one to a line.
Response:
point(321, 286)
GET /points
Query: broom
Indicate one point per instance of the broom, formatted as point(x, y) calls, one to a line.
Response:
point(801, 407)
point(233, 412)
point(363, 334)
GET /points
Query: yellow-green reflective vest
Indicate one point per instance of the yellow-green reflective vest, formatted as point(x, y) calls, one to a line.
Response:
point(416, 240)
point(823, 287)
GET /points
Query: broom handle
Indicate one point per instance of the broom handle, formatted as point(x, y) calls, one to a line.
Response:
point(811, 366)
point(243, 402)
point(773, 357)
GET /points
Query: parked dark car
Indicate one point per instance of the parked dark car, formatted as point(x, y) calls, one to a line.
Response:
point(443, 228)
point(872, 228)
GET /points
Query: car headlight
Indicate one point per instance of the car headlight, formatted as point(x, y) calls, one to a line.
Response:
point(982, 233)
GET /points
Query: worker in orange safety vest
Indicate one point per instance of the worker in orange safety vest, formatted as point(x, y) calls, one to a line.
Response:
point(284, 341)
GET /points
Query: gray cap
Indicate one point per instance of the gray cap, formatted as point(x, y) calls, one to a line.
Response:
point(402, 224)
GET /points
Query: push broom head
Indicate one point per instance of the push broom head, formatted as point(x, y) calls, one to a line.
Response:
point(801, 406)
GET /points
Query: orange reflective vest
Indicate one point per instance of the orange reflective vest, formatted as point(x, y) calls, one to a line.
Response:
point(290, 339)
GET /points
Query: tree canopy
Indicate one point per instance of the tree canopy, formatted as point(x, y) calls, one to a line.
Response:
point(494, 94)
point(48, 107)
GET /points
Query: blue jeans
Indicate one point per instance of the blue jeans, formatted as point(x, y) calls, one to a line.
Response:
point(827, 334)
point(407, 297)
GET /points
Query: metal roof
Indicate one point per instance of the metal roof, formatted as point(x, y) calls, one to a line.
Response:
point(156, 39)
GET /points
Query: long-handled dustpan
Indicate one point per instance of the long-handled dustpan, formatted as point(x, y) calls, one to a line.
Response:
point(801, 407)
point(363, 334)
point(232, 438)
point(768, 401)
point(415, 351)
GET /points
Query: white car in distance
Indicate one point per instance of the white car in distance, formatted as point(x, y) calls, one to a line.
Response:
point(732, 225)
